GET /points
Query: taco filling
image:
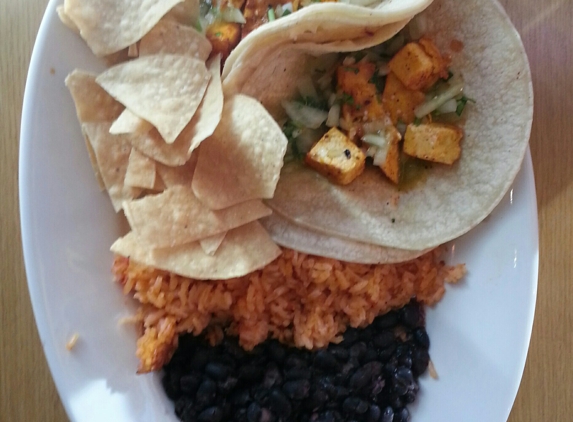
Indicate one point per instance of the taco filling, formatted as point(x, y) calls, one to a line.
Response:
point(396, 106)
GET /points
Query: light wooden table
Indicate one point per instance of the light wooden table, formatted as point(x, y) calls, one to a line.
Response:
point(27, 392)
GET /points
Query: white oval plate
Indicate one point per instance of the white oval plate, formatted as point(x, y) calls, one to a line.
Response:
point(480, 331)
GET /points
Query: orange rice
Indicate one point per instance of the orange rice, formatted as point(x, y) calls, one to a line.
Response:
point(299, 299)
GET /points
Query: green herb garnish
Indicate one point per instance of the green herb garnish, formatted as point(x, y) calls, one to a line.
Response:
point(347, 99)
point(378, 81)
point(462, 104)
point(286, 13)
point(271, 14)
point(417, 121)
point(315, 103)
point(351, 69)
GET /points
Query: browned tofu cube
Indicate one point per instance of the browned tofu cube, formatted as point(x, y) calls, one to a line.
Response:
point(439, 62)
point(413, 66)
point(354, 80)
point(336, 157)
point(391, 166)
point(224, 37)
point(433, 142)
point(399, 101)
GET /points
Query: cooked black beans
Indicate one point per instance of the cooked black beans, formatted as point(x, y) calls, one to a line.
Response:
point(370, 376)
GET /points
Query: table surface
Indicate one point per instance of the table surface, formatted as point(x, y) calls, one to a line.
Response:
point(27, 392)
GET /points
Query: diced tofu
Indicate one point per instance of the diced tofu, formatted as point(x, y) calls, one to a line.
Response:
point(256, 14)
point(391, 166)
point(354, 81)
point(224, 37)
point(336, 157)
point(439, 62)
point(433, 142)
point(399, 101)
point(412, 66)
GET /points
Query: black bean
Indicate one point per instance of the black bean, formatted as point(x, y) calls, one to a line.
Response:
point(388, 320)
point(421, 337)
point(226, 386)
point(358, 350)
point(386, 353)
point(279, 404)
point(272, 376)
point(374, 414)
point(323, 359)
point(396, 402)
point(171, 384)
point(254, 412)
point(199, 359)
point(350, 336)
point(387, 415)
point(383, 339)
point(409, 397)
point(377, 386)
point(240, 397)
point(295, 361)
point(402, 415)
point(420, 360)
point(250, 373)
point(233, 349)
point(316, 400)
point(374, 368)
point(340, 393)
point(354, 405)
point(327, 416)
point(190, 383)
point(360, 379)
point(206, 393)
point(297, 390)
point(297, 374)
point(183, 406)
point(267, 415)
point(277, 351)
point(217, 371)
point(339, 353)
point(411, 316)
point(403, 381)
point(211, 414)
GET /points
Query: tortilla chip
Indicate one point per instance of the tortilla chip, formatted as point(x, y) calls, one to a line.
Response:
point(244, 250)
point(186, 13)
point(128, 122)
point(112, 155)
point(66, 19)
point(93, 161)
point(209, 113)
point(176, 216)
point(140, 171)
point(243, 158)
point(93, 104)
point(169, 37)
point(112, 25)
point(211, 244)
point(165, 90)
point(180, 175)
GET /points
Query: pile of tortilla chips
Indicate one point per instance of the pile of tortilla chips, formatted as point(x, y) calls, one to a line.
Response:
point(187, 167)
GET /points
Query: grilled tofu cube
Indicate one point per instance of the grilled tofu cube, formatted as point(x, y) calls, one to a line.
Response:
point(354, 80)
point(224, 36)
point(336, 157)
point(433, 142)
point(399, 101)
point(413, 66)
point(439, 62)
point(391, 166)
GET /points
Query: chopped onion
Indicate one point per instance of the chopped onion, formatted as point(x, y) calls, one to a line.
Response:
point(383, 68)
point(374, 127)
point(439, 99)
point(281, 9)
point(380, 156)
point(306, 87)
point(332, 99)
point(333, 116)
point(376, 140)
point(304, 115)
point(348, 61)
point(417, 27)
point(324, 81)
point(370, 151)
point(449, 106)
point(232, 14)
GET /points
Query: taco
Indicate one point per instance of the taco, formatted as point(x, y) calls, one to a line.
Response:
point(446, 200)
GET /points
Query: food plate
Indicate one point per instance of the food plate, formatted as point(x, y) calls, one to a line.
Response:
point(480, 331)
